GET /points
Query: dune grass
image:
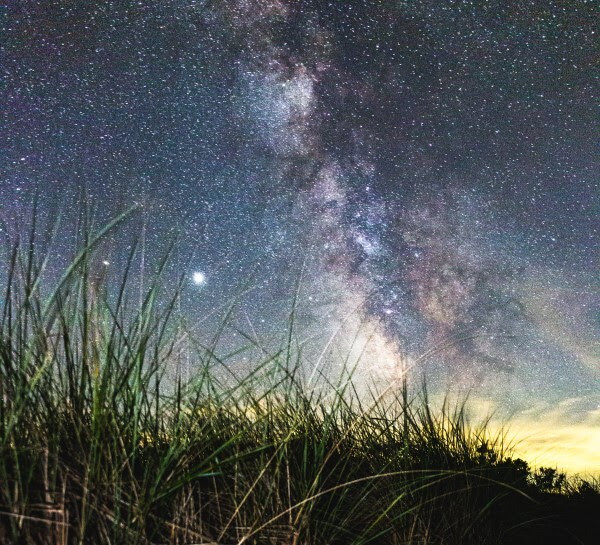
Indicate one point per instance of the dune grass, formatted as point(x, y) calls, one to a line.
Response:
point(103, 442)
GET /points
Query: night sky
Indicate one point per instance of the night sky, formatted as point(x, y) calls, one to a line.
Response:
point(429, 168)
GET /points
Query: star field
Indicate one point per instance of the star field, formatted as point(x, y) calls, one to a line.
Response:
point(431, 167)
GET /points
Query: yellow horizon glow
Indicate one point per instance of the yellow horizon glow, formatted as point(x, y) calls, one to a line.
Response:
point(562, 436)
point(574, 449)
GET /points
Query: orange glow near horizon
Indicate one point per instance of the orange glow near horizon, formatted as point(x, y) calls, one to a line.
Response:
point(560, 436)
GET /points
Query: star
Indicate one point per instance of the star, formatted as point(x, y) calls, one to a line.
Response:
point(199, 278)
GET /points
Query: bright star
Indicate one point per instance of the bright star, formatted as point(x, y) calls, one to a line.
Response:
point(198, 278)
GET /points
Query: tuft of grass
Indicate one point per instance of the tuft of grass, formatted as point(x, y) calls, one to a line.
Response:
point(102, 441)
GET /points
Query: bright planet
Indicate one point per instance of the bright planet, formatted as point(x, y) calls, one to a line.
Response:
point(198, 278)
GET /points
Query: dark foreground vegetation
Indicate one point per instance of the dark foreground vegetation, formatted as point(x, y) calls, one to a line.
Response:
point(102, 442)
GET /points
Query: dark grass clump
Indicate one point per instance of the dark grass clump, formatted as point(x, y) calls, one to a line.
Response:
point(102, 442)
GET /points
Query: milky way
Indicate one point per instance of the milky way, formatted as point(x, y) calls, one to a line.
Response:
point(429, 167)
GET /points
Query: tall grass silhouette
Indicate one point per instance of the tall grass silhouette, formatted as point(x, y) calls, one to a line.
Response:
point(102, 441)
